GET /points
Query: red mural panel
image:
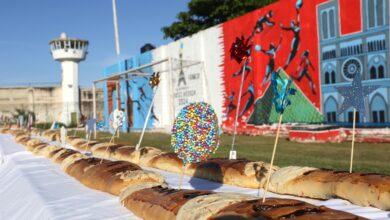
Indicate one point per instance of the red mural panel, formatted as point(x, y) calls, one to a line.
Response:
point(281, 35)
point(350, 16)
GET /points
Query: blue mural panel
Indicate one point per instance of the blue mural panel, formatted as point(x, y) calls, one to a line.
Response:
point(136, 90)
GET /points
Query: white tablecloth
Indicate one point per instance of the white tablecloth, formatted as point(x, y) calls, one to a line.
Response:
point(33, 187)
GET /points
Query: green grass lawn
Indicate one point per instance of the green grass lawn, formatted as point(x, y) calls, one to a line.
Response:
point(368, 157)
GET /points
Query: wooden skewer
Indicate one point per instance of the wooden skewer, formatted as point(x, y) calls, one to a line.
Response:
point(238, 106)
point(111, 141)
point(273, 156)
point(353, 139)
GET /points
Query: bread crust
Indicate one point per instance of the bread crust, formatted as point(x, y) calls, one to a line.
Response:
point(113, 176)
point(367, 189)
point(77, 142)
point(167, 161)
point(275, 208)
point(239, 172)
point(124, 153)
point(203, 207)
point(104, 150)
point(87, 145)
point(78, 167)
point(46, 150)
point(63, 154)
point(159, 202)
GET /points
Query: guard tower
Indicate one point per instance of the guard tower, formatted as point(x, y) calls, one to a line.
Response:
point(69, 52)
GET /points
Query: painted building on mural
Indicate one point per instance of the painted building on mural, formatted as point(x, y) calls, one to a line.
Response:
point(355, 45)
point(317, 44)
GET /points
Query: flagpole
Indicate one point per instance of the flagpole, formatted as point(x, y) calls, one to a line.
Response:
point(353, 139)
point(116, 32)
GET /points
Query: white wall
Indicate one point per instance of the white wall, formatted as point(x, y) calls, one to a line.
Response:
point(205, 46)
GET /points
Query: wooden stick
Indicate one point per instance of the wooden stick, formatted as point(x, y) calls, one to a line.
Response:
point(181, 176)
point(238, 106)
point(146, 119)
point(88, 140)
point(111, 141)
point(273, 156)
point(353, 139)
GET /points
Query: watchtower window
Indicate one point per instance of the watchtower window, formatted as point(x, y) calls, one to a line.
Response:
point(72, 44)
point(67, 44)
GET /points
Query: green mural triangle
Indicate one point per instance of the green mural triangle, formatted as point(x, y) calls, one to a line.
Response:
point(301, 109)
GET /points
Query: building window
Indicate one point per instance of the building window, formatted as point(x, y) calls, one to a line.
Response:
point(350, 117)
point(381, 72)
point(333, 77)
point(331, 24)
point(328, 21)
point(325, 25)
point(377, 72)
point(376, 45)
point(330, 107)
point(372, 72)
point(378, 109)
point(331, 117)
point(378, 116)
point(327, 80)
point(351, 67)
point(375, 13)
point(329, 55)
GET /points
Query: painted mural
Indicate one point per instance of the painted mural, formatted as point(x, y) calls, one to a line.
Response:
point(281, 39)
point(132, 96)
point(297, 39)
point(318, 44)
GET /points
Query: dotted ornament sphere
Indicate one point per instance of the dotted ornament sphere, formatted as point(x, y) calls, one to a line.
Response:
point(195, 133)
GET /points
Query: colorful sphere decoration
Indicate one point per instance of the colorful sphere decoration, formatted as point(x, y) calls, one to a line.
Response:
point(195, 133)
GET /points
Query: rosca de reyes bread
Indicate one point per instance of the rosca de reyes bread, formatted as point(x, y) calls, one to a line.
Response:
point(4, 130)
point(275, 208)
point(87, 145)
point(142, 157)
point(167, 161)
point(239, 172)
point(110, 176)
point(125, 153)
point(52, 135)
point(104, 150)
point(365, 189)
point(293, 180)
point(358, 188)
point(159, 202)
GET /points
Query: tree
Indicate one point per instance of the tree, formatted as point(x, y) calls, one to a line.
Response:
point(203, 14)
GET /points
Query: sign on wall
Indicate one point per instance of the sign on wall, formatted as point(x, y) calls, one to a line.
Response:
point(187, 82)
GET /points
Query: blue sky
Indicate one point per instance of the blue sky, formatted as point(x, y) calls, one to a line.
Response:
point(27, 26)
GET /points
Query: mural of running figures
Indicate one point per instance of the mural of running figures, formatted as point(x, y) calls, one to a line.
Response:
point(280, 38)
point(319, 45)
